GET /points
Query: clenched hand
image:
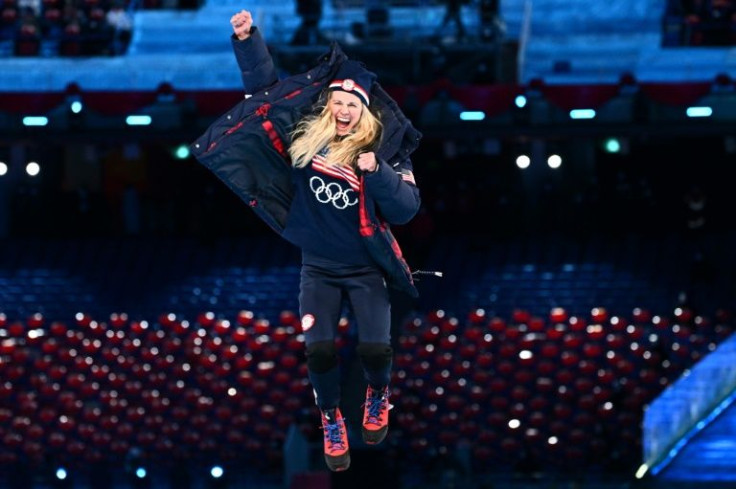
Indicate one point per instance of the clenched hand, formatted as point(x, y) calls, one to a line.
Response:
point(242, 22)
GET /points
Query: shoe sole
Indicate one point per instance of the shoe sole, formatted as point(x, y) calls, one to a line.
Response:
point(374, 437)
point(339, 463)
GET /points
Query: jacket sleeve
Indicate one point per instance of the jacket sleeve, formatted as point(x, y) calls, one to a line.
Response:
point(394, 190)
point(255, 62)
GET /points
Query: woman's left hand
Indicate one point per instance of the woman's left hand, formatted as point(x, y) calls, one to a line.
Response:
point(367, 162)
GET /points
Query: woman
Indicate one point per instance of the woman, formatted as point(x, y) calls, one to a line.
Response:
point(346, 166)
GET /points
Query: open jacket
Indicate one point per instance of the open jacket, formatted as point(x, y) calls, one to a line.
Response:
point(247, 149)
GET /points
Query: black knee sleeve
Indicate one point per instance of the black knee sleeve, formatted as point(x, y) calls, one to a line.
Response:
point(375, 356)
point(321, 356)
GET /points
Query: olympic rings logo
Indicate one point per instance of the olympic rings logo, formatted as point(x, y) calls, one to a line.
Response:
point(332, 193)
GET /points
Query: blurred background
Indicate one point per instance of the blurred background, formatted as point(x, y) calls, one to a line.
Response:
point(576, 180)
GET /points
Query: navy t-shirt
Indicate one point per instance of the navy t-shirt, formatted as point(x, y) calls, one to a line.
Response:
point(323, 218)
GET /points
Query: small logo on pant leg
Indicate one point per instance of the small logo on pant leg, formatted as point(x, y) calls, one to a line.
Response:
point(307, 322)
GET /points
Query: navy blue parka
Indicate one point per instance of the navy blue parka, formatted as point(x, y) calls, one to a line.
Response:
point(247, 149)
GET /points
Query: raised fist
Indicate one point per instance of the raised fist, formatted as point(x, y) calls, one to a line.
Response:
point(241, 22)
point(367, 162)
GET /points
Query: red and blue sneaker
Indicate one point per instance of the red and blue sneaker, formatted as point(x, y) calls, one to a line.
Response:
point(337, 451)
point(375, 415)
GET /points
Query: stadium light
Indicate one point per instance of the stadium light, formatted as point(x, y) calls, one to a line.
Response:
point(554, 161)
point(472, 115)
point(612, 145)
point(35, 121)
point(182, 152)
point(138, 120)
point(61, 478)
point(523, 161)
point(699, 111)
point(582, 114)
point(33, 168)
point(3, 168)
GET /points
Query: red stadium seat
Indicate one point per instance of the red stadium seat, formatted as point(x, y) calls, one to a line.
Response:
point(28, 42)
point(599, 314)
point(683, 314)
point(577, 324)
point(497, 325)
point(434, 317)
point(476, 317)
point(558, 315)
point(641, 315)
point(9, 16)
point(550, 350)
point(536, 324)
point(556, 332)
point(520, 316)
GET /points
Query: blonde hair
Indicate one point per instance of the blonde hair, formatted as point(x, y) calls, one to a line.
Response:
point(317, 131)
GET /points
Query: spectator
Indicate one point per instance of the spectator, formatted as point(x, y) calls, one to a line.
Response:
point(721, 12)
point(28, 35)
point(492, 28)
point(28, 17)
point(308, 32)
point(71, 15)
point(51, 23)
point(673, 23)
point(32, 5)
point(70, 43)
point(122, 24)
point(97, 34)
point(453, 13)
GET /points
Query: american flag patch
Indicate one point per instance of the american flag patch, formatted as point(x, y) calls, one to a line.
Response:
point(407, 176)
point(319, 163)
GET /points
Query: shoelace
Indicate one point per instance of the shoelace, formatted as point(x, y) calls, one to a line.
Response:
point(334, 435)
point(376, 405)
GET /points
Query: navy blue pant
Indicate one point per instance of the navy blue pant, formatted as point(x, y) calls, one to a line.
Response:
point(324, 287)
